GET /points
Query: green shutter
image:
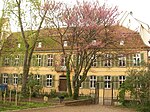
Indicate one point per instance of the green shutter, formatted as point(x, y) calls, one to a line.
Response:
point(43, 80)
point(1, 78)
point(40, 80)
point(113, 60)
point(98, 62)
point(115, 82)
point(102, 60)
point(128, 60)
point(53, 81)
point(33, 61)
point(86, 83)
point(19, 79)
point(42, 60)
point(100, 80)
point(116, 61)
point(11, 61)
point(1, 61)
point(10, 79)
point(131, 59)
point(142, 59)
point(21, 60)
point(45, 60)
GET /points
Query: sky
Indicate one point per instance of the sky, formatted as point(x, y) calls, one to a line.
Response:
point(140, 8)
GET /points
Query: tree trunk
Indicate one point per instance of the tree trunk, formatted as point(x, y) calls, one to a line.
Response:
point(68, 82)
point(24, 81)
point(76, 92)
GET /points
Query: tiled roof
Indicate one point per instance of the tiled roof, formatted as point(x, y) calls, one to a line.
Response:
point(129, 38)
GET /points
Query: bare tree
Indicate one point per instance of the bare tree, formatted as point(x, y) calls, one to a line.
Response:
point(29, 15)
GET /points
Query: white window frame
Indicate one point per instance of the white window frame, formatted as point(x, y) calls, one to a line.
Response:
point(6, 60)
point(94, 64)
point(19, 45)
point(81, 85)
point(38, 78)
point(93, 80)
point(94, 42)
point(107, 61)
point(63, 61)
point(121, 79)
point(49, 80)
point(122, 61)
point(16, 63)
point(137, 59)
point(39, 59)
point(15, 79)
point(65, 43)
point(107, 81)
point(39, 45)
point(50, 60)
point(5, 78)
point(121, 42)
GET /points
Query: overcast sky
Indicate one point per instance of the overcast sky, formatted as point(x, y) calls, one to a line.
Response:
point(140, 8)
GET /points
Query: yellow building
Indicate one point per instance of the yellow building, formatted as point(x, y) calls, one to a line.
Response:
point(108, 73)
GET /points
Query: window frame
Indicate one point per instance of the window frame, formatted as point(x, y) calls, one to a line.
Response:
point(121, 79)
point(50, 58)
point(122, 61)
point(5, 78)
point(49, 80)
point(137, 59)
point(39, 59)
point(15, 79)
point(107, 62)
point(93, 80)
point(16, 60)
point(107, 81)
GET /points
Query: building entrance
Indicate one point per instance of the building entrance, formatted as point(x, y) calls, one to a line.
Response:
point(62, 83)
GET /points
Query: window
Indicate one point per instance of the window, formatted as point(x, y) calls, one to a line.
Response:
point(122, 61)
point(92, 81)
point(121, 79)
point(107, 82)
point(6, 61)
point(121, 42)
point(93, 42)
point(39, 60)
point(107, 60)
point(94, 64)
point(49, 80)
point(65, 43)
point(19, 45)
point(39, 45)
point(50, 60)
point(136, 59)
point(5, 78)
point(15, 79)
point(37, 77)
point(81, 85)
point(16, 63)
point(63, 61)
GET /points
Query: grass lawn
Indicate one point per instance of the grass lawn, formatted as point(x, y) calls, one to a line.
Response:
point(21, 105)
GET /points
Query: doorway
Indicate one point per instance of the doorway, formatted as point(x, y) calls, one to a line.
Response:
point(62, 83)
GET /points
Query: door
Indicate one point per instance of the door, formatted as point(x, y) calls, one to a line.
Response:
point(62, 83)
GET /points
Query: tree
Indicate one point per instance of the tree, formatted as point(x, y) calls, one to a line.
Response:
point(86, 30)
point(138, 85)
point(29, 18)
point(4, 25)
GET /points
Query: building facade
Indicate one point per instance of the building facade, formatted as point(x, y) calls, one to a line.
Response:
point(110, 74)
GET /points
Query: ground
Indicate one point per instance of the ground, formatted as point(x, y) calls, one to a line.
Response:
point(86, 108)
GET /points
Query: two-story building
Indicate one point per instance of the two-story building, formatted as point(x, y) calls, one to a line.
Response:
point(109, 73)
